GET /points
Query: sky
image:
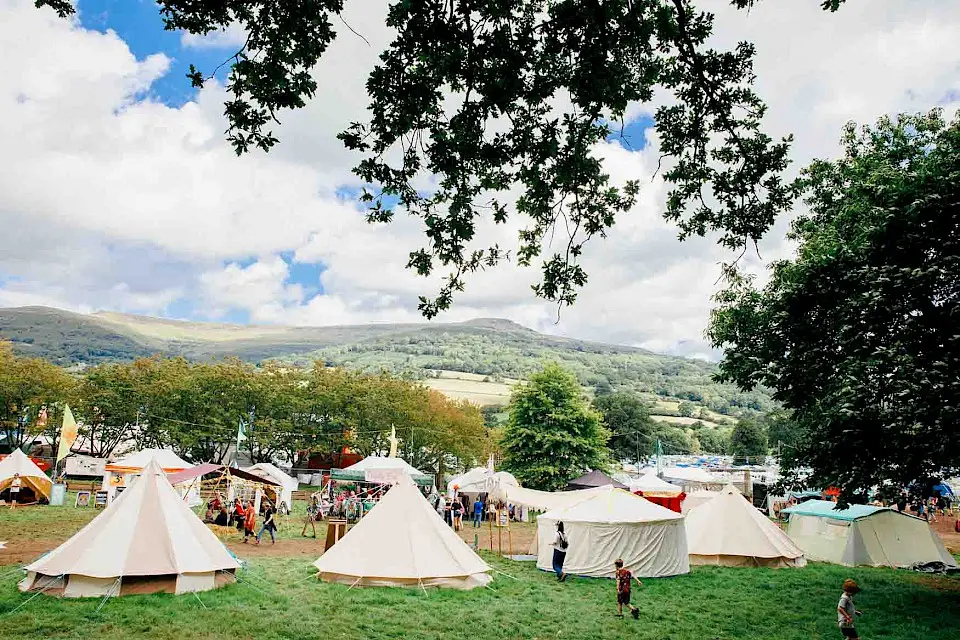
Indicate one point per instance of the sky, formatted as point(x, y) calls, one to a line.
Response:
point(118, 191)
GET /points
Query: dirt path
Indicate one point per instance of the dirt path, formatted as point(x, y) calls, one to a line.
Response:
point(944, 527)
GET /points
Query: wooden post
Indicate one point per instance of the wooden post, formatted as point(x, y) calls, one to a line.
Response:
point(499, 535)
point(490, 526)
point(747, 485)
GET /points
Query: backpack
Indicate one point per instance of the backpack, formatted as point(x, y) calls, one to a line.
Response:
point(563, 542)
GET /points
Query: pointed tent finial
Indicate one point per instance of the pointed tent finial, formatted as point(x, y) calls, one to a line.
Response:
point(393, 441)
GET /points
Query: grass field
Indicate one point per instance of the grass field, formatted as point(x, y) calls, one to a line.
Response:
point(472, 387)
point(278, 597)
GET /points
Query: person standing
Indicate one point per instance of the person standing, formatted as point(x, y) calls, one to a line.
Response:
point(269, 524)
point(249, 521)
point(457, 515)
point(477, 512)
point(15, 485)
point(441, 504)
point(560, 546)
point(846, 610)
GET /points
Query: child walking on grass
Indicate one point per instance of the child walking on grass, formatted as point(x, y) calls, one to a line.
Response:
point(624, 577)
point(846, 610)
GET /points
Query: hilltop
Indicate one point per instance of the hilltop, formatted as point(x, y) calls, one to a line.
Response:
point(479, 360)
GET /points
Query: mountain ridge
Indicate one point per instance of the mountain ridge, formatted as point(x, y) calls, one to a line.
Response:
point(494, 349)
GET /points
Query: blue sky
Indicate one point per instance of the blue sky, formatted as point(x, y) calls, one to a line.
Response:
point(138, 23)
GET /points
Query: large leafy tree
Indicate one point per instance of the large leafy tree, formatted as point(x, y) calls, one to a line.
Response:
point(495, 97)
point(553, 435)
point(32, 393)
point(628, 419)
point(748, 442)
point(858, 334)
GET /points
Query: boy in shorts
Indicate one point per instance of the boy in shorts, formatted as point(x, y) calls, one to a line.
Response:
point(846, 610)
point(624, 584)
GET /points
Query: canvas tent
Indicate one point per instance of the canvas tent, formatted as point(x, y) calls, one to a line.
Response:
point(690, 475)
point(593, 479)
point(696, 498)
point(651, 485)
point(273, 473)
point(122, 472)
point(863, 535)
point(728, 531)
point(613, 524)
point(480, 480)
point(381, 470)
point(146, 541)
point(403, 543)
point(34, 483)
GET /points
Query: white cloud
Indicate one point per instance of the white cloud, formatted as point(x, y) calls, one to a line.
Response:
point(109, 199)
point(233, 37)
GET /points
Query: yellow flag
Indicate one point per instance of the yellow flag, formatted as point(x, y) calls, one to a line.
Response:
point(68, 434)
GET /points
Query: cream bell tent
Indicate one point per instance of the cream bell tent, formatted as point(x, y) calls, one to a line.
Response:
point(122, 472)
point(612, 524)
point(729, 531)
point(863, 535)
point(403, 543)
point(146, 541)
point(696, 498)
point(32, 479)
point(270, 472)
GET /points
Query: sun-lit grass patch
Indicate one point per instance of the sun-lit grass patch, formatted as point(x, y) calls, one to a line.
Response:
point(278, 597)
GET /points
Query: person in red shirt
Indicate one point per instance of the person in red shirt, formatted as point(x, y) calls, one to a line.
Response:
point(249, 521)
point(624, 578)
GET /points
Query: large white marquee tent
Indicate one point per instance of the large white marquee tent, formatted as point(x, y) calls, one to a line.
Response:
point(610, 524)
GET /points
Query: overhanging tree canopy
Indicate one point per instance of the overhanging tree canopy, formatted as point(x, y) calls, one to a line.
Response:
point(858, 334)
point(494, 95)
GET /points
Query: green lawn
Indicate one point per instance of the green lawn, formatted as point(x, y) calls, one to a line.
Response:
point(279, 598)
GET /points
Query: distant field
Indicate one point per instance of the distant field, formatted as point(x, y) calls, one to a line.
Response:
point(682, 421)
point(471, 386)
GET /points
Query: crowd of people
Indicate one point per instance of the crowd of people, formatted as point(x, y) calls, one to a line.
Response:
point(243, 517)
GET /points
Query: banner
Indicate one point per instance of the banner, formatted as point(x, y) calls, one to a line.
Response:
point(68, 434)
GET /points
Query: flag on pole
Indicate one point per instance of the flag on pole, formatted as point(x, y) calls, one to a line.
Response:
point(241, 433)
point(68, 433)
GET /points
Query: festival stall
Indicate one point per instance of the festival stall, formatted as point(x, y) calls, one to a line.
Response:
point(613, 524)
point(287, 483)
point(658, 491)
point(729, 531)
point(203, 482)
point(354, 491)
point(35, 486)
point(402, 543)
point(120, 474)
point(146, 541)
point(479, 480)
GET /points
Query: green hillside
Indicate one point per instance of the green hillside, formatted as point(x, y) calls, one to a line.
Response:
point(479, 360)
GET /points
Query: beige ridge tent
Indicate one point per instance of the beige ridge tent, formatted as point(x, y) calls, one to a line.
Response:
point(610, 524)
point(32, 479)
point(402, 542)
point(863, 535)
point(729, 531)
point(148, 540)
